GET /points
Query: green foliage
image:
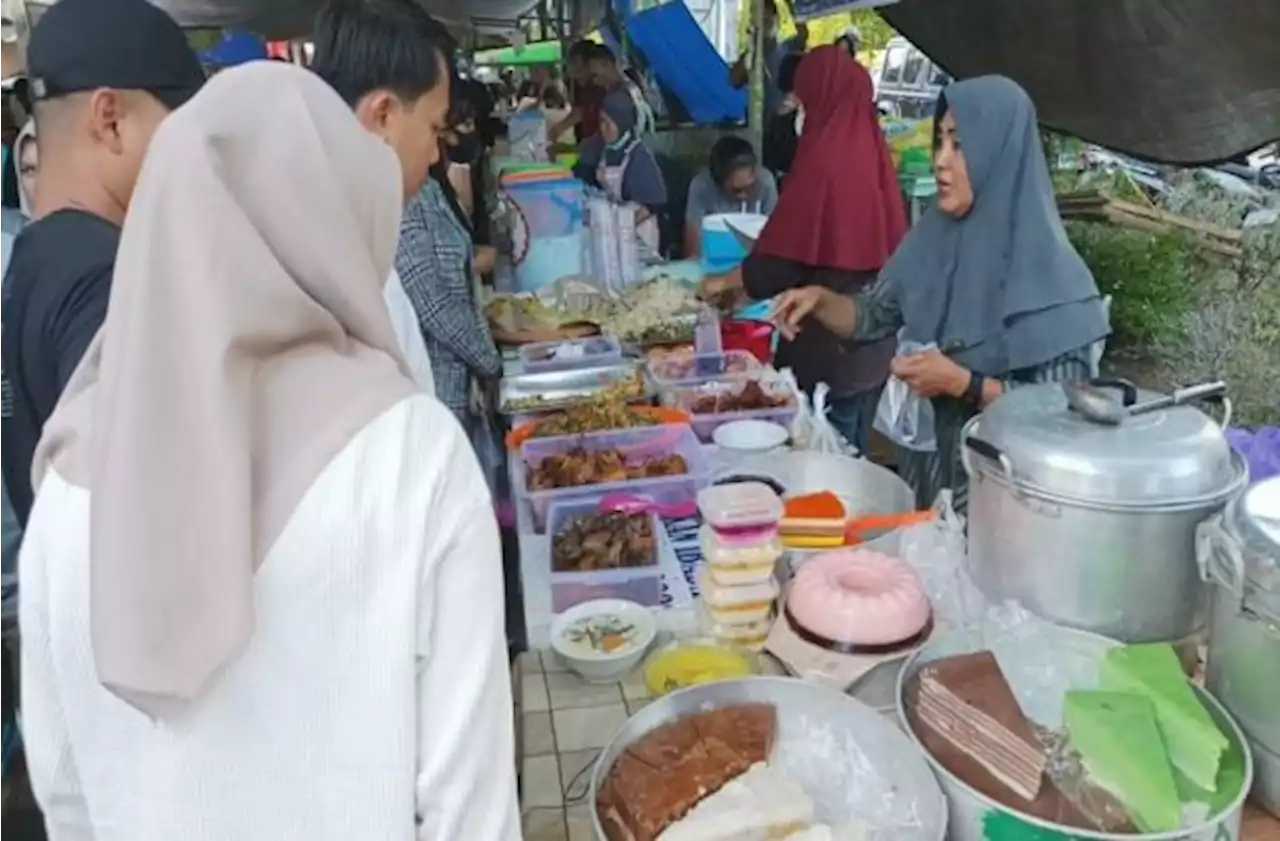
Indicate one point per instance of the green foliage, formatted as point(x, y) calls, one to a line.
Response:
point(1147, 275)
point(875, 30)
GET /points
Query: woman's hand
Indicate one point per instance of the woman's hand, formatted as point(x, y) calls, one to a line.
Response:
point(931, 374)
point(794, 306)
point(484, 259)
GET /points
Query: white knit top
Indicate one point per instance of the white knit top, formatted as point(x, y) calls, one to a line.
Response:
point(404, 320)
point(373, 702)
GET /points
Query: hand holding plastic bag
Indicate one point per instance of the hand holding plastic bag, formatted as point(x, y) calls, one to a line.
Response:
point(903, 416)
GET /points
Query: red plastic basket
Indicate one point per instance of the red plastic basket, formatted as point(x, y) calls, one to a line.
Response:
point(755, 337)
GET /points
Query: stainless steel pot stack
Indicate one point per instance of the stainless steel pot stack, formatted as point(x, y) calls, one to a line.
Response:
point(1084, 503)
point(1239, 551)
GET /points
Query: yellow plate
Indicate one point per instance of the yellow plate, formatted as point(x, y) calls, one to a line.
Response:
point(690, 664)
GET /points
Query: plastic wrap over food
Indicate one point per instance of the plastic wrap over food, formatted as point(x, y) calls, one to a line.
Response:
point(937, 551)
point(855, 769)
point(572, 293)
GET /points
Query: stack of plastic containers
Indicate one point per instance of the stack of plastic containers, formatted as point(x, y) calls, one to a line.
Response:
point(740, 546)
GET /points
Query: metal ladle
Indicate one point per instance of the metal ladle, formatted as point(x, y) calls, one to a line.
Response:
point(1094, 400)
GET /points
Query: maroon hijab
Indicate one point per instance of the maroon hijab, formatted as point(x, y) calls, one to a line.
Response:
point(841, 206)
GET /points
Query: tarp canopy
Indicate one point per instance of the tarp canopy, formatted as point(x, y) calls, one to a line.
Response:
point(1178, 81)
point(540, 52)
point(279, 19)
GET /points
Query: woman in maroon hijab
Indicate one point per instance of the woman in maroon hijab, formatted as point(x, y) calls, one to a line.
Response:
point(837, 221)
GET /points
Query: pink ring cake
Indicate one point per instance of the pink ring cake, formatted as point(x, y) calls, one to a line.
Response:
point(858, 597)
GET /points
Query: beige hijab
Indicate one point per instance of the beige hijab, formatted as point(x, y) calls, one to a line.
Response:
point(246, 343)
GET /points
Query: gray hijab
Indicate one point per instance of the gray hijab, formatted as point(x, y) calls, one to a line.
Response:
point(1000, 289)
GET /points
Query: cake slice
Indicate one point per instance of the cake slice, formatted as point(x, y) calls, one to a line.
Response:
point(967, 701)
point(1194, 742)
point(1120, 744)
point(746, 729)
point(761, 804)
point(814, 515)
point(649, 800)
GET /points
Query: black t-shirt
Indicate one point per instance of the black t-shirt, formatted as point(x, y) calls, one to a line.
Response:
point(59, 282)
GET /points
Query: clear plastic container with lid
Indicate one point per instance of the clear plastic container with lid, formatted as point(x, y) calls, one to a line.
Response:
point(741, 508)
point(743, 604)
point(733, 565)
point(747, 636)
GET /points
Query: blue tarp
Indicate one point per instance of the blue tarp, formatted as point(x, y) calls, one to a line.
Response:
point(235, 48)
point(686, 63)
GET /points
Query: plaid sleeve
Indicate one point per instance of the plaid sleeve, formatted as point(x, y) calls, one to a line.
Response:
point(432, 263)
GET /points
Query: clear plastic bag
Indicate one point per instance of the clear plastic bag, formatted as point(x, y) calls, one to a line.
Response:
point(903, 416)
point(811, 430)
point(938, 552)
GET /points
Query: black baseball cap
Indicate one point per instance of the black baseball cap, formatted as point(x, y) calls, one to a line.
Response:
point(83, 45)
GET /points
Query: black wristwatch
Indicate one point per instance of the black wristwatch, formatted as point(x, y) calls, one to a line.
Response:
point(973, 393)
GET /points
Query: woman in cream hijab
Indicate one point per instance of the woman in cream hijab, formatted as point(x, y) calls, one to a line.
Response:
point(262, 593)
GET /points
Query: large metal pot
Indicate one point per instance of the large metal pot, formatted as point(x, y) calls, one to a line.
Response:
point(1240, 551)
point(1093, 525)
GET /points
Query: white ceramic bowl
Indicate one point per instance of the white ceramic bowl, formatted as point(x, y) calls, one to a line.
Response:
point(602, 667)
point(750, 436)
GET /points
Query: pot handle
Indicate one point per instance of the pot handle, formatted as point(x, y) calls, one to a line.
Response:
point(1219, 558)
point(1128, 391)
point(988, 451)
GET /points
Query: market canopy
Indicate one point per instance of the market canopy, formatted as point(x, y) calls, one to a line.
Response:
point(278, 19)
point(540, 52)
point(1180, 81)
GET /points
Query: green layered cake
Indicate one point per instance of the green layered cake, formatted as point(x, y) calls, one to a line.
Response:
point(1194, 742)
point(1120, 744)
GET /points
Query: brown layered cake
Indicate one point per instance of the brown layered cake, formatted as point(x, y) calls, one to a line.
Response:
point(664, 774)
point(1051, 804)
point(968, 702)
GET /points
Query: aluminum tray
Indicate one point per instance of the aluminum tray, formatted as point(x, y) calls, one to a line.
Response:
point(849, 758)
point(563, 389)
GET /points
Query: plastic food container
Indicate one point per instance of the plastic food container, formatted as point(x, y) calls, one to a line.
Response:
point(692, 662)
point(639, 584)
point(748, 636)
point(686, 369)
point(736, 566)
point(705, 424)
point(744, 604)
point(568, 354)
point(636, 445)
point(750, 506)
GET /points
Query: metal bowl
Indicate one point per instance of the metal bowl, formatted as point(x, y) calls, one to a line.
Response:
point(853, 762)
point(1041, 661)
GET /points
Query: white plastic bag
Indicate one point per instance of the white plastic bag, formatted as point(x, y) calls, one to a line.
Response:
point(811, 430)
point(903, 416)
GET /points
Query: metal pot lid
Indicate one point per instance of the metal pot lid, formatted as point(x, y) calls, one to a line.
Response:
point(1173, 456)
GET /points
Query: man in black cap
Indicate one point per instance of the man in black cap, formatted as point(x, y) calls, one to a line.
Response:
point(103, 75)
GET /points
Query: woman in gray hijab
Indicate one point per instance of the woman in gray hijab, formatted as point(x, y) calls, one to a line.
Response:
point(987, 275)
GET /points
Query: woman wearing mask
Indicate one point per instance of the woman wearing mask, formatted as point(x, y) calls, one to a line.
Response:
point(987, 274)
point(619, 163)
point(837, 221)
point(253, 537)
point(436, 261)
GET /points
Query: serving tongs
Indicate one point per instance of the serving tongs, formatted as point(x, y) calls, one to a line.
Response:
point(1096, 399)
